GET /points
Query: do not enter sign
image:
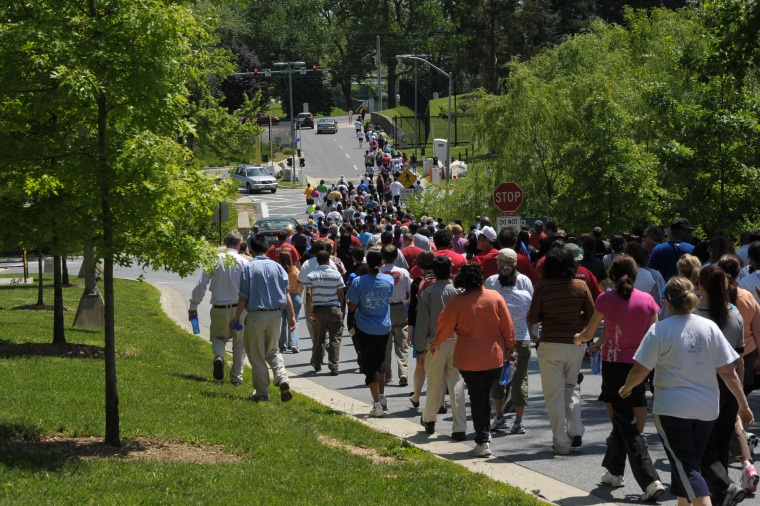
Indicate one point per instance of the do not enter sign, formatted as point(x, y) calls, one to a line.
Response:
point(508, 197)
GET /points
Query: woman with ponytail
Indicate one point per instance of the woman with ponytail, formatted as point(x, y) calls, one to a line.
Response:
point(685, 350)
point(628, 313)
point(715, 305)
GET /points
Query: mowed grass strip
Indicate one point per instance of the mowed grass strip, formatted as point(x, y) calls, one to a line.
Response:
point(286, 453)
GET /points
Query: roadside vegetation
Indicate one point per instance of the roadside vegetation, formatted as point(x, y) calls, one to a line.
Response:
point(186, 438)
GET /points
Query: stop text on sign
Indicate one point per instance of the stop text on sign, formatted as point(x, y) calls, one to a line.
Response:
point(508, 197)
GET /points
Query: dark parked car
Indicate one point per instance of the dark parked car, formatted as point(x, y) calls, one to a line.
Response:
point(270, 226)
point(305, 120)
point(263, 118)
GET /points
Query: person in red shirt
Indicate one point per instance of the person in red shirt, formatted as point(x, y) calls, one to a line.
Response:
point(538, 234)
point(410, 251)
point(508, 239)
point(584, 274)
point(274, 250)
point(486, 238)
point(444, 247)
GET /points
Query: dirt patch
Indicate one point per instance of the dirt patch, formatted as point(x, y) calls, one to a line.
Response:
point(361, 451)
point(9, 349)
point(35, 307)
point(89, 448)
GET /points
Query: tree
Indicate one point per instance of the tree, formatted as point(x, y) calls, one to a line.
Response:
point(120, 68)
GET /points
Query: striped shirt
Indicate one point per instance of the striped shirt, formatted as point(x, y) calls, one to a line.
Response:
point(324, 283)
point(563, 307)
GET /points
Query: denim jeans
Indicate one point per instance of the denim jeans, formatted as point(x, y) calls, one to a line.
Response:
point(288, 339)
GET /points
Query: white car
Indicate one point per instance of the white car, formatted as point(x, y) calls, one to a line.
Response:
point(327, 125)
point(254, 178)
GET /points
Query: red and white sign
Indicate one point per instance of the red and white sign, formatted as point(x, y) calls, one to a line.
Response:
point(508, 197)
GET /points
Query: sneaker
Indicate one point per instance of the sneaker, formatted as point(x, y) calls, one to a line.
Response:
point(517, 428)
point(577, 443)
point(750, 479)
point(334, 373)
point(384, 403)
point(294, 349)
point(403, 381)
point(285, 393)
point(481, 450)
point(219, 368)
point(429, 426)
point(414, 404)
point(618, 481)
point(499, 423)
point(442, 410)
point(733, 496)
point(560, 452)
point(259, 398)
point(458, 436)
point(653, 491)
point(237, 383)
point(376, 411)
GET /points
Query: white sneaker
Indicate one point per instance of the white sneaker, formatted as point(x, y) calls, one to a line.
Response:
point(615, 481)
point(481, 450)
point(376, 411)
point(749, 479)
point(499, 423)
point(653, 491)
point(384, 403)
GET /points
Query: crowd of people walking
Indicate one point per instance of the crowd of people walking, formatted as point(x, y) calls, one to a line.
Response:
point(465, 310)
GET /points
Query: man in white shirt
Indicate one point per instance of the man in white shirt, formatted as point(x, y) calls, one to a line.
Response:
point(308, 267)
point(396, 188)
point(224, 281)
point(317, 214)
point(335, 215)
point(401, 285)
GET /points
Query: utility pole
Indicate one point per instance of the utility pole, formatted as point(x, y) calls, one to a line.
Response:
point(379, 75)
point(289, 64)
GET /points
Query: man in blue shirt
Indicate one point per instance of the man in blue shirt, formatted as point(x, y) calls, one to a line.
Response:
point(264, 293)
point(369, 296)
point(665, 255)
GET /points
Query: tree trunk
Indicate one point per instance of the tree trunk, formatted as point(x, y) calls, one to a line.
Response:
point(59, 336)
point(65, 271)
point(112, 398)
point(40, 269)
point(392, 64)
point(346, 89)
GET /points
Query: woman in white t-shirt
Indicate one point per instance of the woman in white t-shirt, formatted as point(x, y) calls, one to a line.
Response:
point(684, 350)
point(751, 282)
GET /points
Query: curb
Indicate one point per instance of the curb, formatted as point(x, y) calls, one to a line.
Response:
point(543, 487)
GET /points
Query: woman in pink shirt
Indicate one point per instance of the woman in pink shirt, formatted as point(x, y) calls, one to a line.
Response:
point(628, 313)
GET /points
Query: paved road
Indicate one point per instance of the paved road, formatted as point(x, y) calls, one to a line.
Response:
point(328, 156)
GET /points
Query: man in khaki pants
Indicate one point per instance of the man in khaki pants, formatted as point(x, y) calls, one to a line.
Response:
point(439, 368)
point(402, 283)
point(224, 280)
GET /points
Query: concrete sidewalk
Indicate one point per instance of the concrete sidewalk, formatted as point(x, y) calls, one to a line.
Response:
point(532, 482)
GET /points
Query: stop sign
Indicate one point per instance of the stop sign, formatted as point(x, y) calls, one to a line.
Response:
point(508, 197)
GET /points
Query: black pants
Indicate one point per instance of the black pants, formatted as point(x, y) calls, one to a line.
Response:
point(684, 441)
point(372, 354)
point(479, 387)
point(714, 462)
point(625, 439)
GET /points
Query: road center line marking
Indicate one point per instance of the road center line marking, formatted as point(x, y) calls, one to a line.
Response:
point(355, 168)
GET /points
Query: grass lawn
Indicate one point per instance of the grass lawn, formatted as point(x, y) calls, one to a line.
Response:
point(294, 453)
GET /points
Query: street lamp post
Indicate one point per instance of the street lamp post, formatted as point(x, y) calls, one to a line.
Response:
point(292, 124)
point(447, 168)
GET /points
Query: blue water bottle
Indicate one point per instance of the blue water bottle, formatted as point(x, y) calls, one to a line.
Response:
point(506, 373)
point(596, 362)
point(195, 324)
point(238, 326)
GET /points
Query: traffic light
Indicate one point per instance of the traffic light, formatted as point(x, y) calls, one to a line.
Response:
point(435, 161)
point(302, 161)
point(314, 67)
point(256, 70)
point(290, 162)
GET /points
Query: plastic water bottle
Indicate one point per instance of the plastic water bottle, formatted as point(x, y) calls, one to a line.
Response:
point(238, 326)
point(506, 373)
point(596, 362)
point(195, 324)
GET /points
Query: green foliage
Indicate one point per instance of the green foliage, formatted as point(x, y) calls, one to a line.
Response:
point(168, 396)
point(627, 126)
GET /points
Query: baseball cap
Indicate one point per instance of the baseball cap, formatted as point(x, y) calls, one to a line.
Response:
point(575, 250)
point(507, 256)
point(681, 224)
point(489, 232)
